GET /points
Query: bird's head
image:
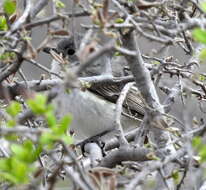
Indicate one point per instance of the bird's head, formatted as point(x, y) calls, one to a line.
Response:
point(65, 47)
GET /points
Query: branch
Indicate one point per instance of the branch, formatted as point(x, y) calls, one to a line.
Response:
point(153, 167)
point(21, 20)
point(55, 18)
point(154, 120)
point(141, 73)
point(38, 7)
point(118, 114)
point(16, 65)
point(125, 154)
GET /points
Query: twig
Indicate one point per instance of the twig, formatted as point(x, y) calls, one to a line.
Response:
point(21, 20)
point(39, 5)
point(119, 104)
point(125, 154)
point(153, 167)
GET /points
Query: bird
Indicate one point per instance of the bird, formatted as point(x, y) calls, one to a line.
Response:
point(93, 109)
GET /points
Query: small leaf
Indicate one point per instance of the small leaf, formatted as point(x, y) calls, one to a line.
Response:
point(47, 138)
point(201, 77)
point(199, 35)
point(19, 152)
point(98, 5)
point(11, 137)
point(32, 151)
point(175, 175)
point(59, 4)
point(152, 156)
point(8, 176)
point(11, 123)
point(62, 127)
point(117, 53)
point(19, 170)
point(38, 105)
point(119, 20)
point(67, 139)
point(202, 153)
point(155, 62)
point(4, 165)
point(197, 142)
point(202, 55)
point(203, 6)
point(26, 152)
point(64, 124)
point(51, 119)
point(15, 171)
point(3, 24)
point(7, 56)
point(9, 6)
point(14, 108)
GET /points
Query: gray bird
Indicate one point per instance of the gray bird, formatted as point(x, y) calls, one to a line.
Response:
point(93, 110)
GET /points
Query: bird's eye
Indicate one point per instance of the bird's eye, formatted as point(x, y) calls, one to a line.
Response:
point(71, 51)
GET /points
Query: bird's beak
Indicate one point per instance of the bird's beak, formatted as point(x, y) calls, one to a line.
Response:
point(48, 50)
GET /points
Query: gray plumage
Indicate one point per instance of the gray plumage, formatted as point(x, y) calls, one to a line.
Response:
point(93, 110)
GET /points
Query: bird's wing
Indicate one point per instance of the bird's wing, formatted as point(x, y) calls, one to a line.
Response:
point(111, 92)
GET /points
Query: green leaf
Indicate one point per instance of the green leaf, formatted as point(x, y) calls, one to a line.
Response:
point(31, 151)
point(47, 138)
point(64, 124)
point(59, 4)
point(203, 6)
point(26, 152)
point(7, 56)
point(176, 177)
point(20, 170)
point(202, 55)
point(4, 165)
point(199, 35)
point(8, 176)
point(67, 139)
point(202, 153)
point(19, 152)
point(14, 170)
point(200, 147)
point(3, 24)
point(38, 105)
point(11, 123)
point(117, 53)
point(14, 108)
point(197, 142)
point(155, 62)
point(201, 77)
point(9, 6)
point(119, 20)
point(51, 119)
point(11, 137)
